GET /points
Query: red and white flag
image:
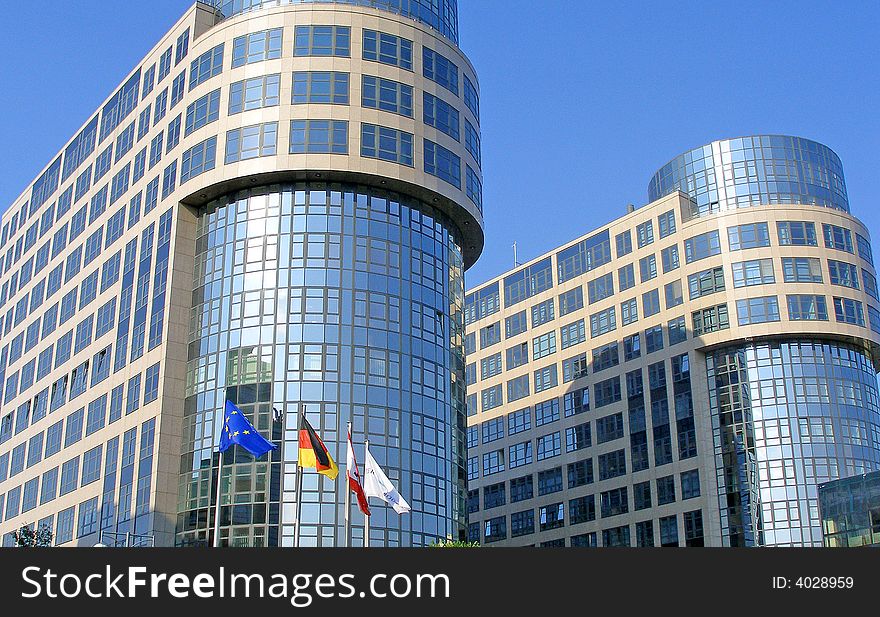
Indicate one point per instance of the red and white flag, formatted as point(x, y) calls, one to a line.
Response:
point(354, 478)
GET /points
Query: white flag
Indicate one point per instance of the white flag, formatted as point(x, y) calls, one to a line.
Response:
point(377, 484)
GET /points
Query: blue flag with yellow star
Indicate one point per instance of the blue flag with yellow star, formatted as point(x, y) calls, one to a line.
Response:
point(238, 429)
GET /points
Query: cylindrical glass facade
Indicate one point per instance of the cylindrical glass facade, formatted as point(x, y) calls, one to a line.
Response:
point(347, 300)
point(441, 15)
point(752, 171)
point(787, 416)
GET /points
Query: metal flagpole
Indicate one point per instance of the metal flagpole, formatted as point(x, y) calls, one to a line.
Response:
point(217, 502)
point(296, 526)
point(366, 517)
point(347, 489)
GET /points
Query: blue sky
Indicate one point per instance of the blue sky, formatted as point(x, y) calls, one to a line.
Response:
point(581, 101)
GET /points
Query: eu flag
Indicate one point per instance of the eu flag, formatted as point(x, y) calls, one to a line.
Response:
point(238, 429)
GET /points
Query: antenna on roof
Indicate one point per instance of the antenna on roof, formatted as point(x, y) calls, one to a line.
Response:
point(515, 262)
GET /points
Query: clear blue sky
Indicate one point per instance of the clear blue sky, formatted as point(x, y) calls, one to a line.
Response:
point(581, 101)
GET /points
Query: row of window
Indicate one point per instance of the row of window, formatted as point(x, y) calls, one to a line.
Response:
point(247, 49)
point(121, 503)
point(595, 251)
point(260, 140)
point(552, 517)
point(578, 474)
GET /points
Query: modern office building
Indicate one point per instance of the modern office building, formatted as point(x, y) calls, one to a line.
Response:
point(850, 510)
point(275, 207)
point(686, 375)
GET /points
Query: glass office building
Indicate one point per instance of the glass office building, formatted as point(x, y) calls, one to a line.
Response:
point(275, 208)
point(687, 375)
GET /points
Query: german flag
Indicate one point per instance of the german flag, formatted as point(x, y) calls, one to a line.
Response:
point(313, 453)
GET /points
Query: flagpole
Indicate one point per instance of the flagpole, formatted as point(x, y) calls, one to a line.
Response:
point(296, 527)
point(366, 517)
point(217, 501)
point(347, 489)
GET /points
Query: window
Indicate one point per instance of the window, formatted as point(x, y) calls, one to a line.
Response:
point(515, 324)
point(670, 259)
point(837, 238)
point(520, 454)
point(693, 528)
point(492, 397)
point(753, 235)
point(256, 47)
point(440, 69)
point(489, 335)
point(624, 243)
point(796, 233)
point(574, 367)
point(473, 187)
point(472, 141)
point(580, 473)
point(322, 41)
point(602, 322)
point(642, 496)
point(677, 330)
point(517, 355)
point(674, 294)
point(552, 516)
point(542, 313)
point(493, 430)
point(549, 446)
point(863, 244)
point(441, 115)
point(648, 268)
point(654, 339)
point(550, 481)
point(651, 302)
point(629, 311)
point(256, 93)
point(612, 464)
point(710, 319)
point(669, 531)
point(251, 142)
point(494, 496)
point(801, 270)
point(849, 311)
point(471, 97)
point(169, 179)
point(206, 66)
point(843, 274)
point(757, 310)
point(182, 47)
point(387, 49)
point(442, 163)
point(607, 392)
point(545, 378)
point(632, 347)
point(387, 95)
point(320, 87)
point(702, 246)
point(173, 134)
point(203, 111)
point(645, 233)
point(706, 282)
point(573, 333)
point(519, 421)
point(666, 223)
point(151, 384)
point(605, 357)
point(578, 438)
point(177, 88)
point(318, 136)
point(493, 462)
point(387, 144)
point(598, 289)
point(490, 366)
point(517, 388)
point(198, 159)
point(91, 466)
point(543, 345)
point(753, 272)
point(870, 282)
point(690, 484)
point(614, 502)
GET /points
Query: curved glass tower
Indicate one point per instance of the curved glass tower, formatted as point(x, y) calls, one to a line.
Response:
point(276, 208)
point(754, 171)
